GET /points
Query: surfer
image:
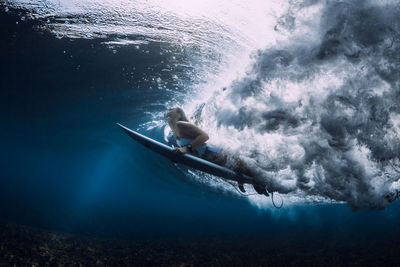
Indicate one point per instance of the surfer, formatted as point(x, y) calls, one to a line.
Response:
point(191, 139)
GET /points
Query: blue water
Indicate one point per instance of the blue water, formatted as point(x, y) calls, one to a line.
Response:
point(66, 166)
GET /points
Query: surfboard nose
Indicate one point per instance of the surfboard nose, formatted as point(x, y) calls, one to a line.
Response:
point(125, 129)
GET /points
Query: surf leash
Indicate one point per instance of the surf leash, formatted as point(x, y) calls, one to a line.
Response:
point(243, 194)
point(273, 202)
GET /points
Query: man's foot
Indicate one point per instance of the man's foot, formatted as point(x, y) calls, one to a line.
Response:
point(260, 189)
point(241, 187)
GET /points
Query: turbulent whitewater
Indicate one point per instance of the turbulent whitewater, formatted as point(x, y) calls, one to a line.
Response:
point(306, 92)
point(318, 113)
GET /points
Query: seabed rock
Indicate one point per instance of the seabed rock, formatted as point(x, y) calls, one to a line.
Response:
point(25, 246)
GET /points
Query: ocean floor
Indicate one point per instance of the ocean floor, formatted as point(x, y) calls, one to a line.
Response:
point(25, 246)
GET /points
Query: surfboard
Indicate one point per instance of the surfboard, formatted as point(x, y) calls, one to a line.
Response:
point(187, 159)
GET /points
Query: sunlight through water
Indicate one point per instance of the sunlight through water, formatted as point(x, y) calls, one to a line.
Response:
point(306, 92)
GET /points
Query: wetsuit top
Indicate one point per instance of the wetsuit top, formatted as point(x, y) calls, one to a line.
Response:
point(202, 151)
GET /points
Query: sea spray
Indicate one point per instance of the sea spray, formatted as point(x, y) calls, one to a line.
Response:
point(320, 118)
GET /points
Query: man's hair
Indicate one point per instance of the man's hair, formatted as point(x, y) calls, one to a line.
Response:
point(182, 115)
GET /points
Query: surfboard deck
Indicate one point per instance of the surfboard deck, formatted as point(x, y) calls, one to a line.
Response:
point(187, 159)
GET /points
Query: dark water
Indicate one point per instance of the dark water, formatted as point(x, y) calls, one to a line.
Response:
point(66, 166)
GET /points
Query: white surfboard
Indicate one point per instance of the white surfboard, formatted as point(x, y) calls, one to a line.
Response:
point(187, 159)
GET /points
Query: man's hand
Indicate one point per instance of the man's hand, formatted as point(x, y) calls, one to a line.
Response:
point(180, 150)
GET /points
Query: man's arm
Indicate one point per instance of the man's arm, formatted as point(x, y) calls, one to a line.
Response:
point(191, 131)
point(199, 140)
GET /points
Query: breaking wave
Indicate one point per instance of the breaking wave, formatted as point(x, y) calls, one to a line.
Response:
point(317, 113)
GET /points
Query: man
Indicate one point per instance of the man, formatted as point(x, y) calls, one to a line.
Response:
point(191, 139)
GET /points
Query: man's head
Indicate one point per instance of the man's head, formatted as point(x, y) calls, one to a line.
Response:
point(175, 114)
